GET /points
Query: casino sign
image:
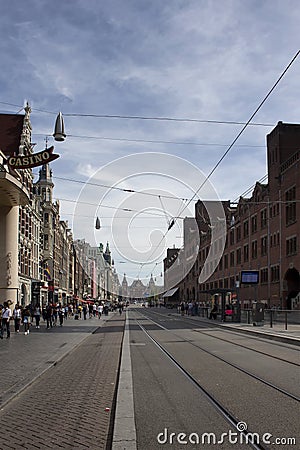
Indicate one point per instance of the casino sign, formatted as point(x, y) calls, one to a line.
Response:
point(33, 160)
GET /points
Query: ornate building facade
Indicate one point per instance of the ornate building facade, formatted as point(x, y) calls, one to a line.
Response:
point(39, 261)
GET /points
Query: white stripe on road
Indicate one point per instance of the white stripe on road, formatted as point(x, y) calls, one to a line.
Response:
point(124, 437)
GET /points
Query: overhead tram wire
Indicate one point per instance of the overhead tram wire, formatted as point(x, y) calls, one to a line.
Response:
point(168, 119)
point(111, 207)
point(233, 142)
point(249, 190)
point(159, 196)
point(170, 197)
point(152, 141)
point(159, 141)
point(130, 117)
point(244, 127)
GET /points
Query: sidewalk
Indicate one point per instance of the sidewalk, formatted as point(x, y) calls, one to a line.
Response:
point(276, 333)
point(26, 358)
point(67, 402)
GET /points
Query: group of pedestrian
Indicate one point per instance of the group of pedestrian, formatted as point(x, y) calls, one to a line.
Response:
point(20, 315)
point(52, 314)
point(189, 308)
point(192, 309)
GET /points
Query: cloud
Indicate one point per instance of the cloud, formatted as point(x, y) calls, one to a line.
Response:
point(155, 59)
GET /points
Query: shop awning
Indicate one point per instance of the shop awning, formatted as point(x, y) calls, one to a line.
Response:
point(171, 292)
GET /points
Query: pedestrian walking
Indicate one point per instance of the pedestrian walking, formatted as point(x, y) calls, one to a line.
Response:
point(100, 310)
point(61, 314)
point(17, 315)
point(186, 307)
point(37, 316)
point(182, 308)
point(49, 313)
point(26, 320)
point(54, 315)
point(1, 326)
point(6, 315)
point(120, 306)
point(213, 312)
point(84, 310)
point(44, 313)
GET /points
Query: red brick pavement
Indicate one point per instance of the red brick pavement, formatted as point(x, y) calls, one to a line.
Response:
point(66, 408)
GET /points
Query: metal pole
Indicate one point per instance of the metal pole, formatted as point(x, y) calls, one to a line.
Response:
point(271, 318)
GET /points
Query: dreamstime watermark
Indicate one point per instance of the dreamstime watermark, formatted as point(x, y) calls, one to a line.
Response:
point(144, 204)
point(239, 437)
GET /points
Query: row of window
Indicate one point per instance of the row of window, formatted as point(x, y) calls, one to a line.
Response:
point(290, 217)
point(230, 282)
point(235, 257)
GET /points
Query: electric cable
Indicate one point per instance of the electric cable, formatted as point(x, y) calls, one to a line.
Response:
point(244, 127)
point(131, 117)
point(234, 141)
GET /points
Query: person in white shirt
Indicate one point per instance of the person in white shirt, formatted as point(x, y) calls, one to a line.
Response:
point(6, 315)
point(17, 315)
point(100, 310)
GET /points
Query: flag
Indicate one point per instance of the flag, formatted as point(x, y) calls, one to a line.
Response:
point(47, 273)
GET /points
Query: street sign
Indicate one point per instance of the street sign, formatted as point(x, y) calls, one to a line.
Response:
point(249, 276)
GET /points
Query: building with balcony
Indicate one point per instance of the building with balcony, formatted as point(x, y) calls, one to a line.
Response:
point(16, 242)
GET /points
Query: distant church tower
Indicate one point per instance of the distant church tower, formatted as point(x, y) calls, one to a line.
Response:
point(151, 286)
point(125, 290)
point(107, 255)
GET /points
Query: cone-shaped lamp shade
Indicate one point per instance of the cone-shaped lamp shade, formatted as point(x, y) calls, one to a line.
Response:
point(59, 130)
point(97, 226)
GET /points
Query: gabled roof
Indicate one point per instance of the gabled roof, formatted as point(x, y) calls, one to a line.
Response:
point(11, 126)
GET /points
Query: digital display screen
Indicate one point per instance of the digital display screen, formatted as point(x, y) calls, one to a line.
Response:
point(250, 276)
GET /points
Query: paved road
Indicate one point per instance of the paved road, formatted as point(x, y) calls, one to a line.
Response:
point(70, 405)
point(165, 399)
point(58, 387)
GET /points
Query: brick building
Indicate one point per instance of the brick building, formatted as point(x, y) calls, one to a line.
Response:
point(262, 234)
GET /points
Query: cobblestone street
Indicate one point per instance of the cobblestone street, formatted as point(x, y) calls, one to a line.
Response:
point(71, 404)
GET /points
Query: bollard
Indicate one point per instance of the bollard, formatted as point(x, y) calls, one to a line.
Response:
point(286, 324)
point(248, 316)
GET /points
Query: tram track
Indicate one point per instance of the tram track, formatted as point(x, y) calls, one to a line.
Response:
point(224, 412)
point(220, 358)
point(202, 329)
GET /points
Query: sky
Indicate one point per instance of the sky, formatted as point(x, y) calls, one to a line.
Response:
point(117, 70)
